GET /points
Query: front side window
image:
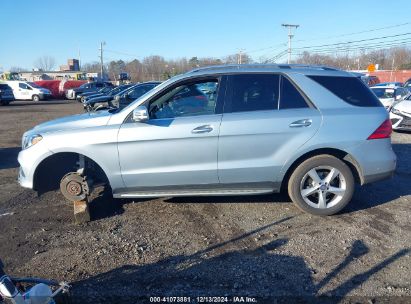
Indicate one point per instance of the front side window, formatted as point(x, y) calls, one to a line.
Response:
point(140, 91)
point(192, 99)
point(253, 92)
point(24, 86)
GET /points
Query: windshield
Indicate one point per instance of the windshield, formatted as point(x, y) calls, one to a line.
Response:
point(384, 93)
point(33, 85)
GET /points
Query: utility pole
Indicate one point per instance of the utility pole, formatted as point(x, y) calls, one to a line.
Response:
point(290, 36)
point(240, 56)
point(101, 59)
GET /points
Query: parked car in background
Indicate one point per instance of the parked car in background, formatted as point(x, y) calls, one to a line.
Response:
point(82, 96)
point(388, 95)
point(390, 84)
point(400, 115)
point(371, 80)
point(87, 87)
point(367, 79)
point(125, 98)
point(23, 90)
point(6, 94)
point(121, 99)
point(92, 102)
point(313, 130)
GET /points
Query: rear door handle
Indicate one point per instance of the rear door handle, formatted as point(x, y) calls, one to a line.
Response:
point(301, 123)
point(202, 129)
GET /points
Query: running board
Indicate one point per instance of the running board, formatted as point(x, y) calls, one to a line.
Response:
point(176, 193)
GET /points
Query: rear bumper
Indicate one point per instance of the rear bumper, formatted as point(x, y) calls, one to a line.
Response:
point(376, 160)
point(6, 97)
point(377, 177)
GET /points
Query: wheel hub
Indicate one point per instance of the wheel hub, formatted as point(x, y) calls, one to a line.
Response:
point(74, 187)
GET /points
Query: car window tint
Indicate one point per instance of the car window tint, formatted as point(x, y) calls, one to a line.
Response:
point(350, 89)
point(253, 92)
point(139, 91)
point(290, 97)
point(186, 100)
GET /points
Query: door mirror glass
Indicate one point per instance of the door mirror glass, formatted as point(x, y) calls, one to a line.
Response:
point(398, 97)
point(140, 114)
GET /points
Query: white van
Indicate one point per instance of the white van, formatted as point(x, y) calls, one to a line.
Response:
point(24, 90)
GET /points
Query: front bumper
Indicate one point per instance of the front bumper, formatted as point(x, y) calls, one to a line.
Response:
point(44, 96)
point(400, 121)
point(29, 159)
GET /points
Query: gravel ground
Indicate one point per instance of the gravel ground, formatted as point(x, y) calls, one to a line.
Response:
point(256, 246)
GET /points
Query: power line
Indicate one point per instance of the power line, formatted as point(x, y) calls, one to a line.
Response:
point(330, 37)
point(357, 33)
point(350, 42)
point(362, 46)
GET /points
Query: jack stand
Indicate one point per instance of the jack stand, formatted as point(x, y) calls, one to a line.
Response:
point(81, 211)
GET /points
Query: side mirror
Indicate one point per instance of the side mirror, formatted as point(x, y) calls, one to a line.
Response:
point(398, 97)
point(140, 114)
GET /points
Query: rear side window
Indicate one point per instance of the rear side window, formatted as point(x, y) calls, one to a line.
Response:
point(290, 97)
point(253, 92)
point(4, 87)
point(350, 89)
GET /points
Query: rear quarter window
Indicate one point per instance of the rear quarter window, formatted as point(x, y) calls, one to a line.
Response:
point(350, 89)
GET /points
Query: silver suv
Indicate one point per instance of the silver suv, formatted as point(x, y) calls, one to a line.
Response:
point(229, 130)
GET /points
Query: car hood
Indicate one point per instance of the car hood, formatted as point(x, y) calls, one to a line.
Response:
point(78, 121)
point(99, 99)
point(387, 101)
point(404, 106)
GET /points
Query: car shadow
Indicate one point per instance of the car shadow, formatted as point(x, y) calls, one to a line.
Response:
point(41, 103)
point(216, 272)
point(8, 157)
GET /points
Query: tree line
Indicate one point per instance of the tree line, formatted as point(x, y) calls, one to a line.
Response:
point(156, 67)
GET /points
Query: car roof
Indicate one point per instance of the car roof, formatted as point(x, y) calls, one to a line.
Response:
point(385, 87)
point(268, 68)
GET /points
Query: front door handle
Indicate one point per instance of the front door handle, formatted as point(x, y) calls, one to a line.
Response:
point(301, 123)
point(202, 129)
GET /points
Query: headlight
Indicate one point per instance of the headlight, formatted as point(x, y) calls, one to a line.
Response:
point(32, 140)
point(395, 111)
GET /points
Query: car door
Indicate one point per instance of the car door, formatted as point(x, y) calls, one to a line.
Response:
point(265, 119)
point(177, 146)
point(24, 91)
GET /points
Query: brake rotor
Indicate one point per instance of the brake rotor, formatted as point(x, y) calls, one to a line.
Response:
point(74, 187)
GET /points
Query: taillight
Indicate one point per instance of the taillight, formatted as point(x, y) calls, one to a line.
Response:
point(383, 131)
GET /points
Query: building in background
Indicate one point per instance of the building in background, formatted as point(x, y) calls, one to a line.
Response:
point(72, 65)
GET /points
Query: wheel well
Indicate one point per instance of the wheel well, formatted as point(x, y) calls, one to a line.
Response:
point(341, 155)
point(51, 170)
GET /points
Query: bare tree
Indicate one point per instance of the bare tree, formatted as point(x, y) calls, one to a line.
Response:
point(17, 69)
point(45, 63)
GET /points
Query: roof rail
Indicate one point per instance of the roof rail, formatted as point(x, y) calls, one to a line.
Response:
point(263, 66)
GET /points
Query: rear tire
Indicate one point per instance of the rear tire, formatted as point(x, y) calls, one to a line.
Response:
point(321, 185)
point(36, 98)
